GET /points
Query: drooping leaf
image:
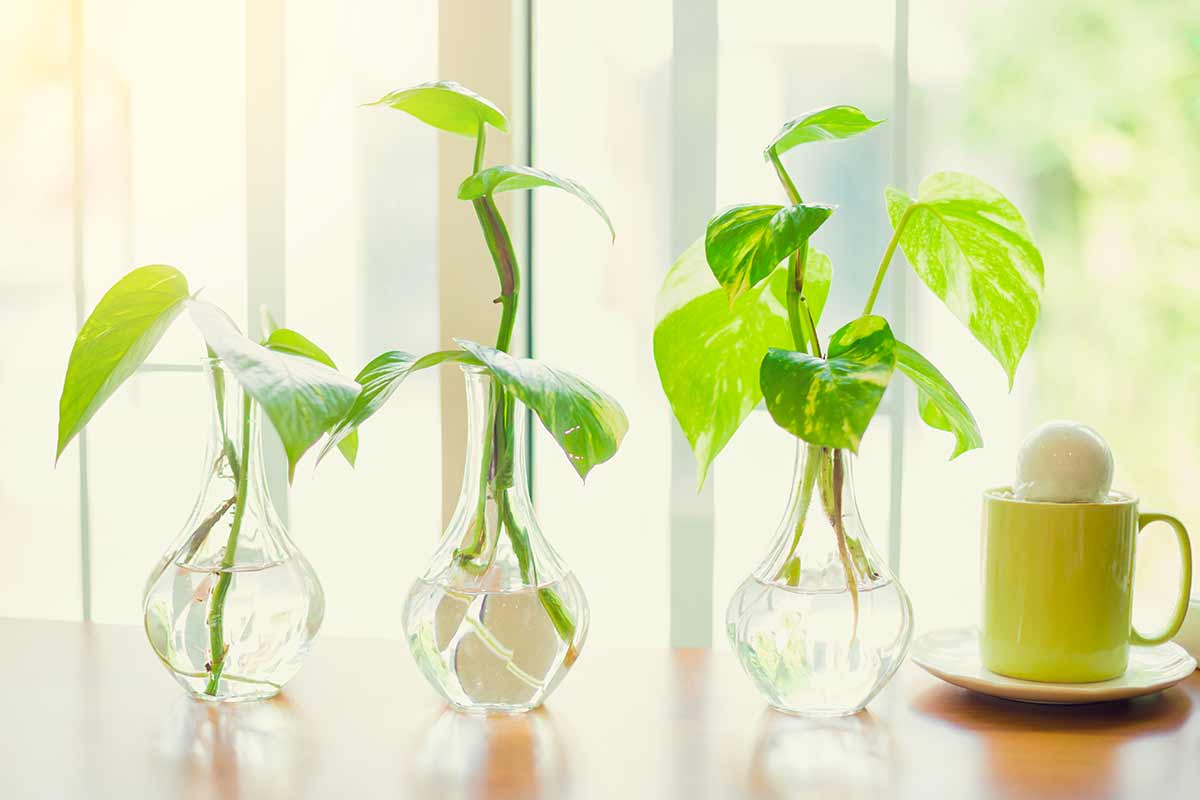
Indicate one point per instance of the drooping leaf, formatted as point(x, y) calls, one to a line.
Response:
point(116, 338)
point(939, 405)
point(708, 350)
point(973, 250)
point(511, 177)
point(744, 244)
point(286, 340)
point(830, 401)
point(587, 424)
point(825, 124)
point(379, 380)
point(447, 106)
point(302, 397)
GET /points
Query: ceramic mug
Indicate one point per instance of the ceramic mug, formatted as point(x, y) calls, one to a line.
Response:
point(1058, 586)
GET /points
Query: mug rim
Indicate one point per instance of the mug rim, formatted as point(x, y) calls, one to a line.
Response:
point(1003, 494)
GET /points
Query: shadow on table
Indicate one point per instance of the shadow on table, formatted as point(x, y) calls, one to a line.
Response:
point(494, 756)
point(252, 750)
point(840, 757)
point(1078, 750)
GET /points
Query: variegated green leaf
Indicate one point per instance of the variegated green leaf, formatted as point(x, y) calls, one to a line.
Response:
point(447, 106)
point(745, 243)
point(286, 340)
point(115, 339)
point(830, 401)
point(587, 424)
point(939, 405)
point(708, 350)
point(973, 250)
point(380, 379)
point(825, 124)
point(511, 177)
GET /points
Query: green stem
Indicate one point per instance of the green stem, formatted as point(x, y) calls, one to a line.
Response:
point(500, 469)
point(887, 259)
point(216, 609)
point(784, 178)
point(808, 480)
point(800, 319)
point(480, 144)
point(840, 531)
point(500, 245)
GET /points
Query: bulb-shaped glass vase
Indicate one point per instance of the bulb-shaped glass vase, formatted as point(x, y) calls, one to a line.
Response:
point(232, 607)
point(498, 618)
point(822, 624)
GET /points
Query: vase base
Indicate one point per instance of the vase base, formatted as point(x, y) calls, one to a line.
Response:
point(247, 697)
point(493, 710)
point(818, 713)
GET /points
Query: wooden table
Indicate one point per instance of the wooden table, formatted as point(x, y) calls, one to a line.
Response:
point(87, 711)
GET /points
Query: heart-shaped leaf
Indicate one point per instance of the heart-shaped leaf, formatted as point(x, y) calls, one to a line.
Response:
point(587, 424)
point(302, 398)
point(973, 250)
point(830, 401)
point(511, 177)
point(116, 338)
point(826, 124)
point(708, 350)
point(447, 106)
point(380, 379)
point(744, 244)
point(939, 405)
point(286, 340)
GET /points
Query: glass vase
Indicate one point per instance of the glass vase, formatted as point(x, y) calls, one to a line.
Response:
point(498, 618)
point(822, 624)
point(232, 607)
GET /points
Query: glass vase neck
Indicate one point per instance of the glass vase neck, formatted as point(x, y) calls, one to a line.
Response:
point(821, 535)
point(234, 447)
point(504, 446)
point(494, 541)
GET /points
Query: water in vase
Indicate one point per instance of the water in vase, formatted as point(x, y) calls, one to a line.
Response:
point(801, 649)
point(494, 651)
point(271, 615)
point(822, 623)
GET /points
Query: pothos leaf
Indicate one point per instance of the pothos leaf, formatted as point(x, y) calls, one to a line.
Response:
point(830, 401)
point(302, 398)
point(511, 177)
point(380, 379)
point(825, 124)
point(447, 106)
point(286, 340)
point(587, 423)
point(708, 350)
point(939, 405)
point(971, 247)
point(745, 243)
point(115, 339)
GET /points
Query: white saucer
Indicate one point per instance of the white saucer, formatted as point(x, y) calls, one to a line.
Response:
point(953, 656)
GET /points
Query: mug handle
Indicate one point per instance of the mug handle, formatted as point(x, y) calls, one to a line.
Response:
point(1185, 583)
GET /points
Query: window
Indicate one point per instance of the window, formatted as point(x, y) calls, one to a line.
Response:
point(173, 159)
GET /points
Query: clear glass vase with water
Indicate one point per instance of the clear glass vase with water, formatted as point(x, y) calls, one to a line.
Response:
point(822, 624)
point(497, 619)
point(232, 607)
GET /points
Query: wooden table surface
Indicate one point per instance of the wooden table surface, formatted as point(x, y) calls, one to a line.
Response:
point(87, 711)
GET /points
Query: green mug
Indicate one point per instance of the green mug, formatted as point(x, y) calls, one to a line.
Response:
point(1058, 587)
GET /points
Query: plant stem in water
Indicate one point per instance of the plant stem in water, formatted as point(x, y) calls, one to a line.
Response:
point(216, 609)
point(498, 470)
point(789, 571)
